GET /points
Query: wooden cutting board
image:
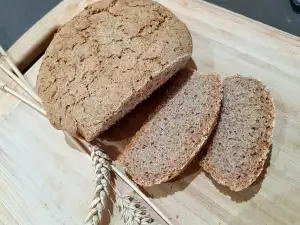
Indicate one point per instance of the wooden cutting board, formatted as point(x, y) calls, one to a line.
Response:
point(46, 181)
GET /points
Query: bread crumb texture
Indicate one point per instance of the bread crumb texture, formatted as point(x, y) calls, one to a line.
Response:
point(236, 153)
point(175, 133)
point(107, 59)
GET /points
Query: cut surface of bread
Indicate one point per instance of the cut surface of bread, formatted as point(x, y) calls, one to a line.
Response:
point(106, 60)
point(236, 152)
point(176, 131)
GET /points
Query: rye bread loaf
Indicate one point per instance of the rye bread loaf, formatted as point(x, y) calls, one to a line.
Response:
point(106, 60)
point(176, 131)
point(236, 152)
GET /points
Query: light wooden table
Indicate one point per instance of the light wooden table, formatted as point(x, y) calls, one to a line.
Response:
point(45, 181)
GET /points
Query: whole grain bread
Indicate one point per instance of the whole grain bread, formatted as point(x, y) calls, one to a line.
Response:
point(175, 133)
point(236, 152)
point(106, 60)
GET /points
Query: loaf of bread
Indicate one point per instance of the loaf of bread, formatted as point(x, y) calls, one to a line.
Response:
point(236, 152)
point(106, 60)
point(176, 131)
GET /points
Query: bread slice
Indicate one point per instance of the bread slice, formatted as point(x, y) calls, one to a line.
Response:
point(236, 152)
point(175, 133)
point(106, 60)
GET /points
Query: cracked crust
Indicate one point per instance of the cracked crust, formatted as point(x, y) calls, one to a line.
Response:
point(106, 60)
point(236, 153)
point(175, 133)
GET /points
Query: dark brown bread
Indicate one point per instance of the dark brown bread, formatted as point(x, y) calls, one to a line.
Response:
point(236, 153)
point(106, 60)
point(176, 132)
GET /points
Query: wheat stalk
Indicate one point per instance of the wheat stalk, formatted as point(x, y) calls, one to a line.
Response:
point(99, 158)
point(131, 210)
point(17, 76)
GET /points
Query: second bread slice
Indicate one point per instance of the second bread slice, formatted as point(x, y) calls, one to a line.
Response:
point(177, 130)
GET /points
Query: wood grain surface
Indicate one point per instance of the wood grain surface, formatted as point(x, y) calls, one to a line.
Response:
point(46, 181)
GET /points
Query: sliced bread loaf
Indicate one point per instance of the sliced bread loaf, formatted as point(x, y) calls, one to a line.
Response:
point(106, 60)
point(175, 133)
point(236, 152)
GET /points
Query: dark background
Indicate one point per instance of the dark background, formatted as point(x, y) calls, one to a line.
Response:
point(17, 16)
